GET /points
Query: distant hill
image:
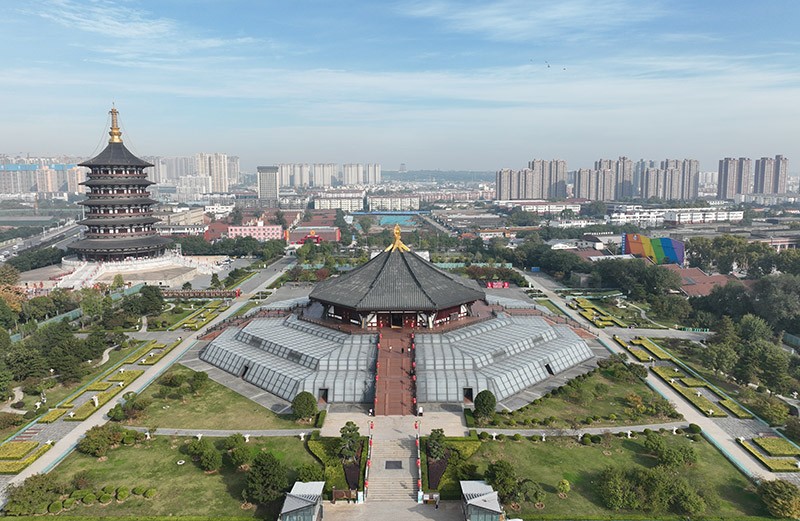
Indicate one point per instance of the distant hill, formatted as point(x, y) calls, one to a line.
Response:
point(452, 176)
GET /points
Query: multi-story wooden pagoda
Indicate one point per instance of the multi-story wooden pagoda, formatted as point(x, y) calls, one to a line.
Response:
point(119, 213)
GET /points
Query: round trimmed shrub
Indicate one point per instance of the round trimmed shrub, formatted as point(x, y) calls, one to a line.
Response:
point(106, 499)
point(483, 436)
point(501, 437)
point(123, 493)
point(55, 507)
point(109, 489)
point(138, 490)
point(694, 428)
point(79, 494)
point(517, 437)
point(89, 499)
point(41, 508)
point(69, 503)
point(695, 437)
point(128, 440)
point(596, 438)
point(150, 492)
point(586, 440)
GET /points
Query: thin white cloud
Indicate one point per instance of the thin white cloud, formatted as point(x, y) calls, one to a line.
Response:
point(522, 20)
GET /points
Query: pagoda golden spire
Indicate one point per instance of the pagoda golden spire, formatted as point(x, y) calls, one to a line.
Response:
point(397, 245)
point(115, 133)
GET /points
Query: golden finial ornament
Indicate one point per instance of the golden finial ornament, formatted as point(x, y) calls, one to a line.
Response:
point(115, 133)
point(398, 243)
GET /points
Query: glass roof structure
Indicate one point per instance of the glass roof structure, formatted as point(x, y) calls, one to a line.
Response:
point(505, 355)
point(285, 356)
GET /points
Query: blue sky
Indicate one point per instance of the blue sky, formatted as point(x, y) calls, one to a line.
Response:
point(435, 84)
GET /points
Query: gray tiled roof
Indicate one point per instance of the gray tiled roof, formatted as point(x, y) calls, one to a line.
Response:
point(396, 281)
point(115, 154)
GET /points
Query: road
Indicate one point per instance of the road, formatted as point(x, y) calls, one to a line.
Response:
point(65, 445)
point(722, 432)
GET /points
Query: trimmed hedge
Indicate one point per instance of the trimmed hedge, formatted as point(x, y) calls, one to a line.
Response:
point(69, 503)
point(777, 446)
point(702, 403)
point(105, 499)
point(469, 418)
point(15, 467)
point(14, 450)
point(88, 408)
point(735, 409)
point(638, 353)
point(653, 348)
point(150, 492)
point(55, 507)
point(127, 377)
point(98, 386)
point(150, 360)
point(138, 490)
point(52, 415)
point(89, 499)
point(773, 464)
point(320, 421)
point(123, 493)
point(690, 381)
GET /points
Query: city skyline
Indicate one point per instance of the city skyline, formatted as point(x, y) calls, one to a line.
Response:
point(435, 85)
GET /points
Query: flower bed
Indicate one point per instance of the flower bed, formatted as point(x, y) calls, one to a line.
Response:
point(52, 415)
point(16, 449)
point(773, 464)
point(88, 408)
point(150, 360)
point(735, 409)
point(774, 446)
point(15, 467)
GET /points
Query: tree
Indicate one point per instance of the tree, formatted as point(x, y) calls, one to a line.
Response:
point(25, 498)
point(531, 491)
point(720, 357)
point(503, 479)
point(563, 487)
point(9, 275)
point(198, 381)
point(485, 402)
point(215, 282)
point(210, 459)
point(240, 456)
point(236, 216)
point(186, 286)
point(436, 444)
point(348, 442)
point(304, 406)
point(118, 281)
point(654, 443)
point(266, 480)
point(781, 498)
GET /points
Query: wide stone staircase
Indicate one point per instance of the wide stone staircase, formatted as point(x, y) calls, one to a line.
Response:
point(398, 482)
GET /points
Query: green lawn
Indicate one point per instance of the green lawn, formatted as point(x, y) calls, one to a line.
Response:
point(217, 407)
point(549, 305)
point(556, 459)
point(167, 319)
point(182, 490)
point(570, 408)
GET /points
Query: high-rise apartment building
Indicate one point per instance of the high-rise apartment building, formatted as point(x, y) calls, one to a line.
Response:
point(734, 177)
point(352, 174)
point(268, 184)
point(322, 174)
point(372, 174)
point(770, 175)
point(214, 166)
point(233, 170)
point(541, 180)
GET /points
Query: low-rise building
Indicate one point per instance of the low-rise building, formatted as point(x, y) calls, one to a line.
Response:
point(479, 502)
point(392, 203)
point(258, 230)
point(303, 503)
point(301, 234)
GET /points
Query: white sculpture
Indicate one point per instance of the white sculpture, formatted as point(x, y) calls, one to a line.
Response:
point(147, 435)
point(120, 384)
point(629, 433)
point(494, 436)
point(121, 370)
point(95, 401)
point(674, 430)
point(247, 438)
point(71, 414)
point(199, 436)
point(544, 438)
point(37, 405)
point(302, 436)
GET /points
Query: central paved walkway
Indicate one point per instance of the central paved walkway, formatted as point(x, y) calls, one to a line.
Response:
point(394, 387)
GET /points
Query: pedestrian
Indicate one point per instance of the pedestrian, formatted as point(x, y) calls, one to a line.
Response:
point(437, 501)
point(390, 349)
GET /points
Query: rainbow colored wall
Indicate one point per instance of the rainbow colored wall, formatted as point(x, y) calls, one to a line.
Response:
point(660, 251)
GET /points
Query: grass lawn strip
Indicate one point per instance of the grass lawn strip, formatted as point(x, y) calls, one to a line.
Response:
point(214, 407)
point(15, 467)
point(702, 403)
point(774, 446)
point(668, 373)
point(183, 490)
point(52, 415)
point(189, 318)
point(150, 360)
point(87, 408)
point(735, 409)
point(654, 349)
point(15, 450)
point(126, 377)
point(139, 353)
point(773, 464)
